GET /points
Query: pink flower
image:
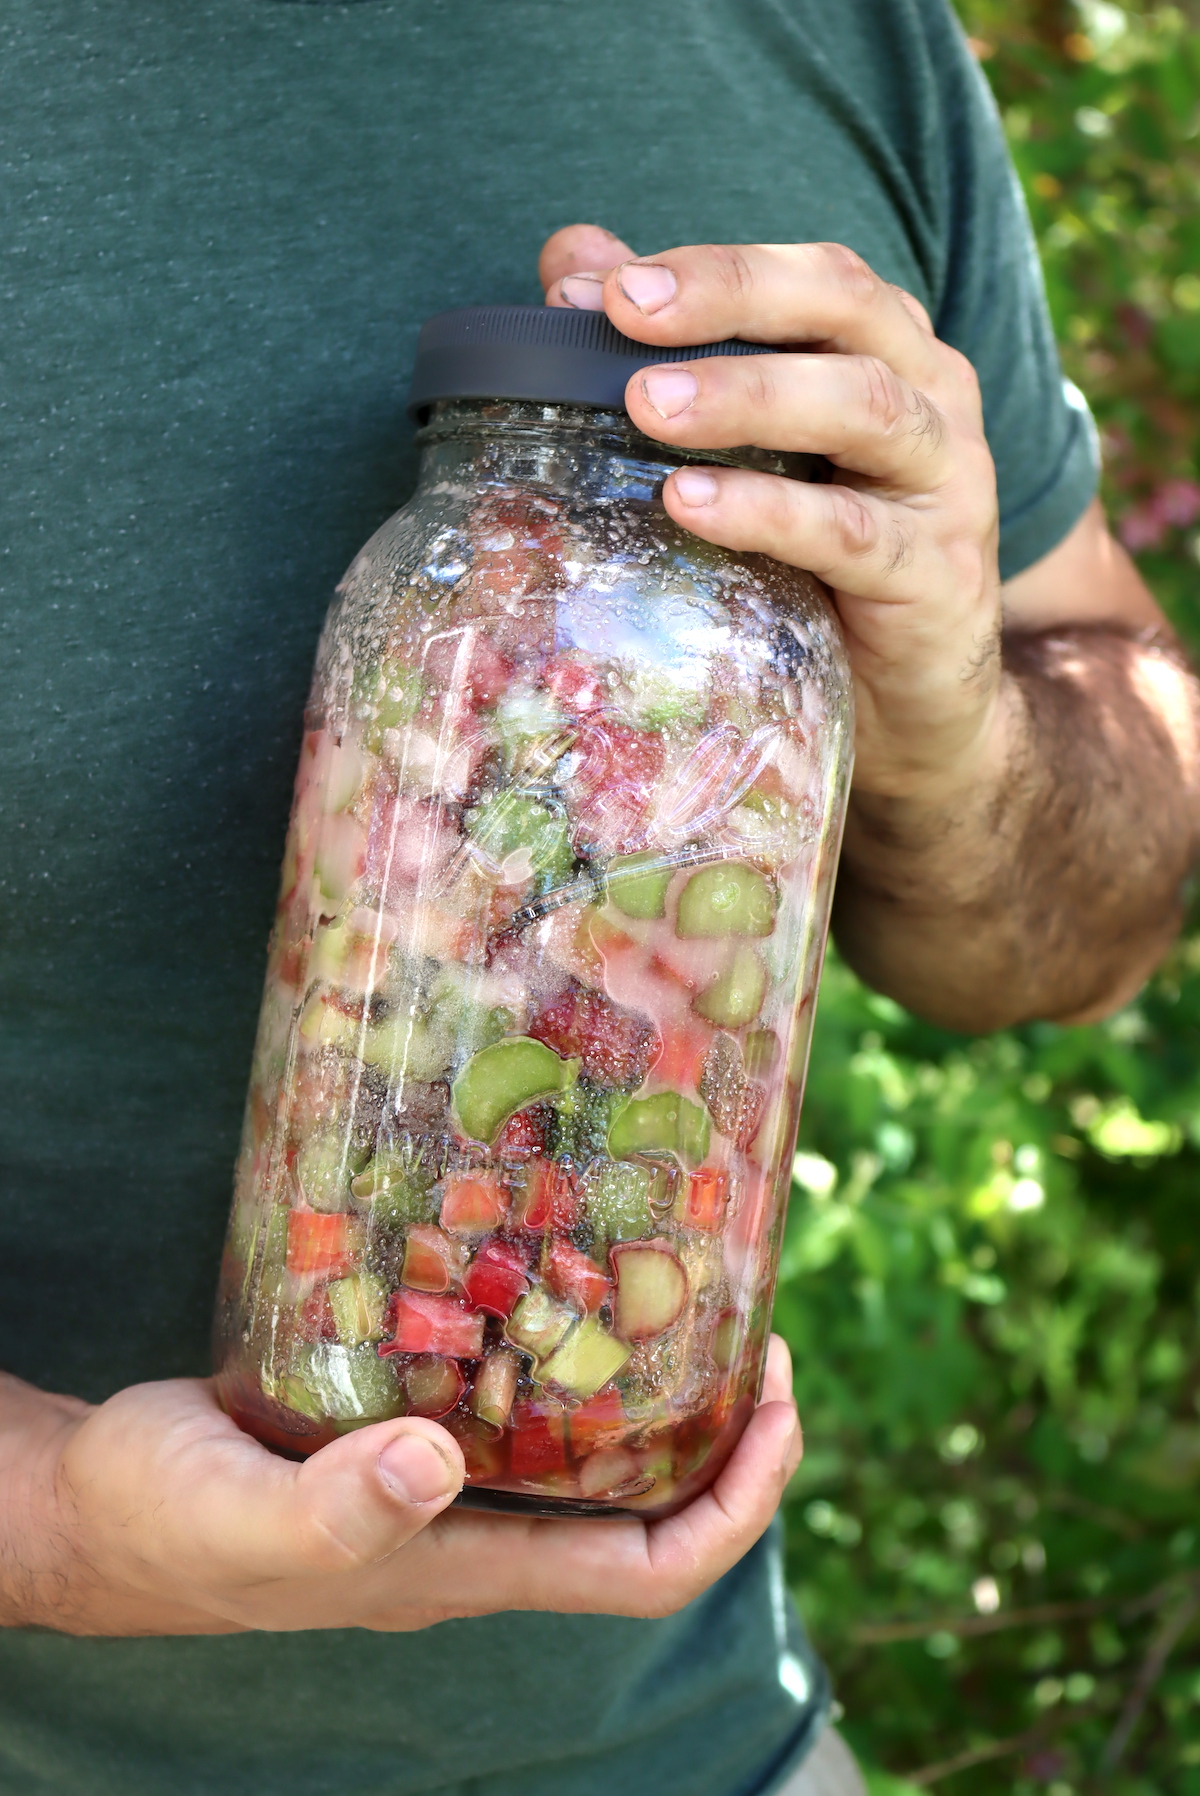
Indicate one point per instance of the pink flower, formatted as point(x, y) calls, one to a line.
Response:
point(1177, 502)
point(1141, 528)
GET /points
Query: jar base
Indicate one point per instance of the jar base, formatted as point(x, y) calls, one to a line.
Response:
point(515, 1502)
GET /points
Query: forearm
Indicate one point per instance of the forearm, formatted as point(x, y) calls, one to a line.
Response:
point(1052, 884)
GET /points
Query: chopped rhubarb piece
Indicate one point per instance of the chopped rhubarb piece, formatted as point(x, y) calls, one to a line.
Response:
point(502, 1079)
point(357, 1305)
point(538, 1323)
point(727, 898)
point(615, 783)
point(600, 1422)
point(681, 1057)
point(315, 1319)
point(750, 1117)
point(495, 1279)
point(549, 1197)
point(575, 687)
point(341, 856)
point(483, 1447)
point(652, 1289)
point(574, 1277)
point(613, 1472)
point(442, 1325)
point(663, 1123)
point(736, 995)
point(473, 1203)
point(432, 1261)
point(326, 1245)
point(475, 671)
point(433, 1385)
point(524, 1133)
point(585, 1362)
point(702, 1199)
point(728, 1336)
point(539, 1440)
point(637, 884)
point(760, 1050)
point(496, 1386)
point(614, 1046)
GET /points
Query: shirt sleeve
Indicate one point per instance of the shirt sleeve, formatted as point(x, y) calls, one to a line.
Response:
point(992, 306)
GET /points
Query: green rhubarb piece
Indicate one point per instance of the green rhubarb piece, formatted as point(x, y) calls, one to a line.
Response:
point(735, 996)
point(325, 1166)
point(638, 894)
point(348, 1384)
point(584, 1362)
point(760, 1051)
point(665, 1123)
point(538, 1323)
point(396, 1187)
point(405, 1044)
point(293, 1393)
point(500, 1080)
point(508, 823)
point(388, 697)
point(618, 1204)
point(728, 898)
point(358, 1304)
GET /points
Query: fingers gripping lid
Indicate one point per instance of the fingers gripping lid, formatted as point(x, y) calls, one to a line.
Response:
point(551, 353)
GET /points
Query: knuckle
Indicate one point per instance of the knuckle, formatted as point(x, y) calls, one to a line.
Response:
point(854, 524)
point(733, 268)
point(761, 387)
point(322, 1547)
point(882, 395)
point(845, 269)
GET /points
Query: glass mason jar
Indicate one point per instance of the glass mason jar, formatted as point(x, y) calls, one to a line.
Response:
point(540, 990)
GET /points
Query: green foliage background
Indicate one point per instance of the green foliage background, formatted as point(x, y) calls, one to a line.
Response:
point(991, 1273)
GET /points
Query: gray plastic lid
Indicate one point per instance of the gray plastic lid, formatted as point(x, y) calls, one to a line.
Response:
point(551, 353)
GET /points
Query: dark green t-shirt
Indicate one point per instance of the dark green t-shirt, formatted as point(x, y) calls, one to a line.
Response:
point(221, 223)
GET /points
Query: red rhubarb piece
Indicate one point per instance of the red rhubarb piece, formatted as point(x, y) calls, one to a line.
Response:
point(315, 1320)
point(495, 1279)
point(613, 1044)
point(681, 1060)
point(549, 1197)
point(524, 1133)
point(480, 673)
point(442, 1325)
point(326, 1245)
point(574, 1277)
point(615, 783)
point(576, 688)
point(600, 1422)
point(539, 1442)
point(703, 1199)
point(750, 1116)
point(473, 1203)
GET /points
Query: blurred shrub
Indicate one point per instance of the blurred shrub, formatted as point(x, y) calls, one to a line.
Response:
point(992, 1266)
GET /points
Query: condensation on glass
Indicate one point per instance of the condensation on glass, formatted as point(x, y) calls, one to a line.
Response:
point(541, 982)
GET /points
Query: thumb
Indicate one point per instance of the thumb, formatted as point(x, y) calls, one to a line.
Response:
point(363, 1496)
point(259, 1518)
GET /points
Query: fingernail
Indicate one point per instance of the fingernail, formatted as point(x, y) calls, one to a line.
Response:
point(415, 1469)
point(669, 390)
point(694, 486)
point(583, 291)
point(647, 285)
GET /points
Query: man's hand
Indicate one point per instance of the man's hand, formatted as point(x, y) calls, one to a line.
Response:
point(155, 1514)
point(1024, 809)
